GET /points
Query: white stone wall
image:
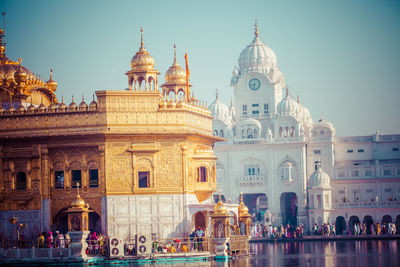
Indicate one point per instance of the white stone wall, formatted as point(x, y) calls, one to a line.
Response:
point(165, 215)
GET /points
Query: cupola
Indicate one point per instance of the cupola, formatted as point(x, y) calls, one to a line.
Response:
point(288, 106)
point(51, 84)
point(319, 178)
point(142, 60)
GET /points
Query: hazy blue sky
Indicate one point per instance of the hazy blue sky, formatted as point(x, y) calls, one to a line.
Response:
point(342, 57)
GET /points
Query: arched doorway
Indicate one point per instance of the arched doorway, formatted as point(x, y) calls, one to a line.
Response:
point(386, 219)
point(257, 203)
point(200, 220)
point(94, 222)
point(398, 224)
point(60, 221)
point(289, 208)
point(352, 221)
point(340, 225)
point(368, 221)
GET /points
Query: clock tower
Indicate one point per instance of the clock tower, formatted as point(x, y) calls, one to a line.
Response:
point(257, 83)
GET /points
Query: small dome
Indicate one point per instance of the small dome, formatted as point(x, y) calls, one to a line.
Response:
point(171, 104)
point(62, 106)
point(142, 60)
point(287, 107)
point(42, 108)
point(21, 109)
point(31, 108)
point(220, 208)
point(2, 110)
point(78, 202)
point(53, 107)
point(163, 103)
point(11, 109)
point(319, 178)
point(51, 84)
point(219, 110)
point(72, 106)
point(256, 57)
point(83, 105)
point(20, 75)
point(243, 210)
point(322, 122)
point(175, 73)
point(93, 104)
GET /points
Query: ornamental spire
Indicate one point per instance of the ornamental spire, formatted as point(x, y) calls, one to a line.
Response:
point(141, 38)
point(174, 53)
point(256, 29)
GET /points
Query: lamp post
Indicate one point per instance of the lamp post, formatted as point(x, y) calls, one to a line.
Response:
point(20, 226)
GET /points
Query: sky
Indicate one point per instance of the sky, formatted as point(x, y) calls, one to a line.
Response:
point(341, 57)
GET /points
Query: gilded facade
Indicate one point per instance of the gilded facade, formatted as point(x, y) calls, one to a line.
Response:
point(142, 156)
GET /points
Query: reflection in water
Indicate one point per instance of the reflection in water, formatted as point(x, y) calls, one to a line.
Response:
point(362, 253)
point(327, 253)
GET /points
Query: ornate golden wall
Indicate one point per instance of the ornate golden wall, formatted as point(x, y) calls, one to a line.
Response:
point(127, 132)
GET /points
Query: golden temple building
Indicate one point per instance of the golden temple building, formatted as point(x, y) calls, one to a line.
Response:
point(142, 157)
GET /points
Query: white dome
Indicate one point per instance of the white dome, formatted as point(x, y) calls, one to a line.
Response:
point(219, 110)
point(319, 178)
point(287, 107)
point(304, 115)
point(256, 57)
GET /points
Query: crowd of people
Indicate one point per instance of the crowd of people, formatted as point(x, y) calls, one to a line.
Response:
point(326, 229)
point(50, 240)
point(277, 232)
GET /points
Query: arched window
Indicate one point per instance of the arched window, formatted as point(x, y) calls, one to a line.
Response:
point(292, 131)
point(287, 171)
point(249, 133)
point(202, 174)
point(243, 134)
point(21, 181)
point(215, 133)
point(255, 133)
point(221, 133)
point(280, 132)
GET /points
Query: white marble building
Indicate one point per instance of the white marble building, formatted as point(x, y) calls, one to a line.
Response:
point(292, 168)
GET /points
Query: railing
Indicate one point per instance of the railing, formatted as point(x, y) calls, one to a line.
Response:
point(367, 204)
point(181, 245)
point(97, 247)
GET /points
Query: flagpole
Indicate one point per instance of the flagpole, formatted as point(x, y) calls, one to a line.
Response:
point(187, 79)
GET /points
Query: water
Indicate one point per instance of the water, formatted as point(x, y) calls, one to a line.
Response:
point(352, 253)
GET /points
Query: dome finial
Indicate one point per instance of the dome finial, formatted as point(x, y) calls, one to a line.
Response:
point(298, 99)
point(141, 38)
point(51, 74)
point(174, 53)
point(287, 91)
point(219, 191)
point(241, 196)
point(256, 29)
point(216, 93)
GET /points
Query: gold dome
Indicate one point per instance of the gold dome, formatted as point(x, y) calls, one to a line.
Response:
point(163, 103)
point(62, 106)
point(142, 61)
point(21, 109)
point(93, 104)
point(78, 202)
point(83, 105)
point(51, 84)
point(72, 106)
point(20, 75)
point(243, 210)
point(175, 73)
point(220, 208)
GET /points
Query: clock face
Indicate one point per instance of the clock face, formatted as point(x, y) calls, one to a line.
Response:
point(254, 84)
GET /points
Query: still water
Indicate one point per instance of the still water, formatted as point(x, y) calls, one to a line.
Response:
point(355, 253)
